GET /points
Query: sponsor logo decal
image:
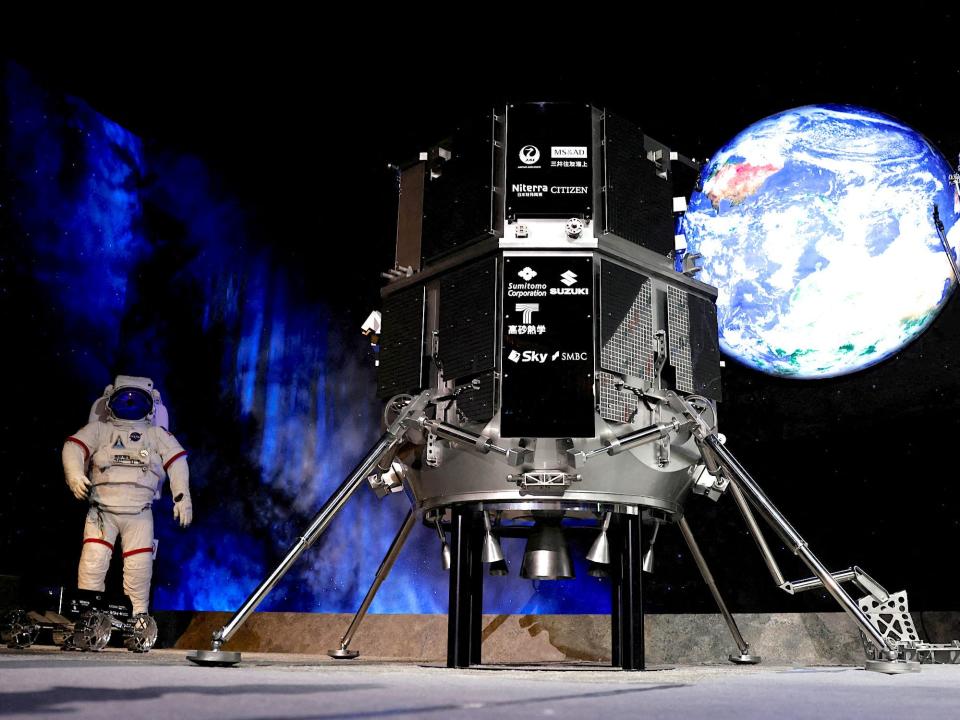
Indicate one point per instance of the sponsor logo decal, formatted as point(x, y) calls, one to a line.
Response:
point(529, 154)
point(528, 309)
point(565, 152)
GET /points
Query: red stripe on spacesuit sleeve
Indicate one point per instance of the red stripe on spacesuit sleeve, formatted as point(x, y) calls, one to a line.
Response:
point(171, 460)
point(81, 443)
point(138, 551)
point(99, 541)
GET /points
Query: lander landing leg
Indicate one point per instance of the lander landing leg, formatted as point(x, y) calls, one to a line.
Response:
point(744, 657)
point(887, 658)
point(344, 652)
point(216, 656)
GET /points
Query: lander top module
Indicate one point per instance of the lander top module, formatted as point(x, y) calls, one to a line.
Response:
point(546, 358)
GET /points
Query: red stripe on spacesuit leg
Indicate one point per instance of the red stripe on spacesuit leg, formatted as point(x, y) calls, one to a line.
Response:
point(86, 450)
point(174, 458)
point(138, 551)
point(98, 540)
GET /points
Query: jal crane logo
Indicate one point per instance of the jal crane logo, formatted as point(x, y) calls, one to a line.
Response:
point(529, 154)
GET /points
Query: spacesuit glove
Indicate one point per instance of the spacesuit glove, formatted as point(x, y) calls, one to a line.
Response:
point(183, 509)
point(79, 485)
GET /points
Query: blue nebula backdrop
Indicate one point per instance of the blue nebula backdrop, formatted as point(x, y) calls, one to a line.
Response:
point(127, 257)
point(239, 283)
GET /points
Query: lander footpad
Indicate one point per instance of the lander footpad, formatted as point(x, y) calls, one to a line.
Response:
point(214, 658)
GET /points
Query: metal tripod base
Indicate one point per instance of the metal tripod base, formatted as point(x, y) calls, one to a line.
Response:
point(214, 658)
point(892, 667)
point(343, 654)
point(744, 659)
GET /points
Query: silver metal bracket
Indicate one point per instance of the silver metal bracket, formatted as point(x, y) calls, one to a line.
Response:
point(695, 422)
point(855, 575)
point(932, 653)
point(386, 482)
point(659, 354)
point(663, 451)
point(622, 443)
point(690, 267)
point(433, 454)
point(544, 479)
point(480, 443)
point(705, 484)
point(891, 616)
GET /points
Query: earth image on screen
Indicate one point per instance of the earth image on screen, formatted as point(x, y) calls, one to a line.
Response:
point(816, 226)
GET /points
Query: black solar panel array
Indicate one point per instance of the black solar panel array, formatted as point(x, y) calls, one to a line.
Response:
point(468, 319)
point(401, 343)
point(704, 347)
point(458, 206)
point(638, 203)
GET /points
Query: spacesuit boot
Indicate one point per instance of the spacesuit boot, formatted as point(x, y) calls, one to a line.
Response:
point(128, 457)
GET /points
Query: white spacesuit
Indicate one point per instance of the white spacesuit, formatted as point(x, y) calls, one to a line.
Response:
point(128, 456)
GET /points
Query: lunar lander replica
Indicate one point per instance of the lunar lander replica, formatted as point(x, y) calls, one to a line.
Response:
point(544, 362)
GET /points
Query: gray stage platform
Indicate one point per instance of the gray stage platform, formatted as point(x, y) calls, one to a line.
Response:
point(115, 684)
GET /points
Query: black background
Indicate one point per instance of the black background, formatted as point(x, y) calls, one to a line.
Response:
point(300, 119)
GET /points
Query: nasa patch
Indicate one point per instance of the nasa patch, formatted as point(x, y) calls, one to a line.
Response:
point(134, 436)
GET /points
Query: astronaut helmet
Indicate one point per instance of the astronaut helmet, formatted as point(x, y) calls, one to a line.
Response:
point(131, 398)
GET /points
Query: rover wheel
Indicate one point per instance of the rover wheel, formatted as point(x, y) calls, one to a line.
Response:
point(141, 633)
point(18, 631)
